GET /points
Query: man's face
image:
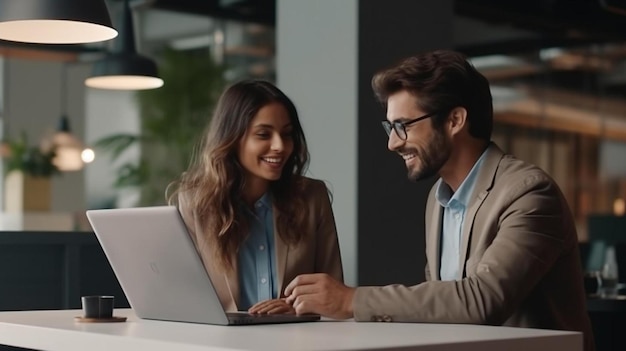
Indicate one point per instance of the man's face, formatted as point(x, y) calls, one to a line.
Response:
point(425, 149)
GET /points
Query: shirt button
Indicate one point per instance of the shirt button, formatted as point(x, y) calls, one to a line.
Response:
point(263, 280)
point(261, 247)
point(457, 216)
point(258, 205)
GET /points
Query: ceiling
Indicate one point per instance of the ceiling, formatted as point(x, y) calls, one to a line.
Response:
point(563, 23)
point(555, 19)
point(573, 49)
point(557, 57)
point(257, 11)
point(573, 21)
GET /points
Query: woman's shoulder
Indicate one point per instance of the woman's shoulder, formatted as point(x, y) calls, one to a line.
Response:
point(312, 184)
point(315, 191)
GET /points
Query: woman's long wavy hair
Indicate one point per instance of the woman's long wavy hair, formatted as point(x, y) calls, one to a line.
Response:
point(213, 185)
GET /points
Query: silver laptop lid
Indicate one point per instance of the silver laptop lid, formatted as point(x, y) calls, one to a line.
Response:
point(157, 264)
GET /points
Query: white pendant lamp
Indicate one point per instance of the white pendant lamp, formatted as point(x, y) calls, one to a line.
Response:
point(55, 21)
point(67, 148)
point(123, 68)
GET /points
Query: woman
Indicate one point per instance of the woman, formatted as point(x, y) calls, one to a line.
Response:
point(255, 219)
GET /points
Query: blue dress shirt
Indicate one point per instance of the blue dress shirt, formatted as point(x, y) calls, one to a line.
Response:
point(256, 262)
point(454, 207)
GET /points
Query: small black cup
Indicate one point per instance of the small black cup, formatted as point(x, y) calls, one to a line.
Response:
point(592, 281)
point(97, 306)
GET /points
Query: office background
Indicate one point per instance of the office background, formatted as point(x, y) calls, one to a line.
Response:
point(323, 55)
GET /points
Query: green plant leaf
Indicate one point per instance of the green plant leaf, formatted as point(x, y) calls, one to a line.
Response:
point(28, 159)
point(116, 144)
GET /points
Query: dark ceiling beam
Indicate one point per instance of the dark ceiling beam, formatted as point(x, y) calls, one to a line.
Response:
point(255, 11)
point(49, 52)
point(571, 18)
point(71, 48)
point(525, 46)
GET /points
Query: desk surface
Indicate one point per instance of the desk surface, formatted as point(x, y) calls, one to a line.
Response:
point(57, 330)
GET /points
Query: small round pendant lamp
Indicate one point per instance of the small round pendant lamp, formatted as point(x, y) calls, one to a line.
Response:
point(124, 68)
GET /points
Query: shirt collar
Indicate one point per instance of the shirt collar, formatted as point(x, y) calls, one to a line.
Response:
point(444, 194)
point(265, 201)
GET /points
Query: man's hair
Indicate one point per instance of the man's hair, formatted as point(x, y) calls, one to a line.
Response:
point(441, 80)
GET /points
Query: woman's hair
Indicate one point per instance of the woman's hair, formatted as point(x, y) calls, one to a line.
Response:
point(212, 186)
point(441, 80)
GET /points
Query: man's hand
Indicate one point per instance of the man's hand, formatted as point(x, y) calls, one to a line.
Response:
point(276, 306)
point(321, 294)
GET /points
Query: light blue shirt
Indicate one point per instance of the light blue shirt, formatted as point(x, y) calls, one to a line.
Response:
point(256, 261)
point(454, 208)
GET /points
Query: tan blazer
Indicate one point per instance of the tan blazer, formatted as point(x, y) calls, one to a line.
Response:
point(318, 252)
point(519, 259)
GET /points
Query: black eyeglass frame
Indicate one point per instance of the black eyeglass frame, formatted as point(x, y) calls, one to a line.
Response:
point(400, 127)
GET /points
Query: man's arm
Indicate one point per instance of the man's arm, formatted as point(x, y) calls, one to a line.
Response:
point(529, 238)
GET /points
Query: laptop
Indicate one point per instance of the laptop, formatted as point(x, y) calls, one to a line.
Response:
point(161, 272)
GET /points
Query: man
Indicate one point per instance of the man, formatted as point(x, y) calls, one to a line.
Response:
point(501, 244)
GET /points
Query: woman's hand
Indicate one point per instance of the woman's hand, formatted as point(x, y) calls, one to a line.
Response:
point(276, 306)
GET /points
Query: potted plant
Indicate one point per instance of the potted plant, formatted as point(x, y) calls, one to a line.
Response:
point(172, 120)
point(27, 175)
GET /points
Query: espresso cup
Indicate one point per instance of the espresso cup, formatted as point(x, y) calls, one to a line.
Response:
point(97, 306)
point(592, 282)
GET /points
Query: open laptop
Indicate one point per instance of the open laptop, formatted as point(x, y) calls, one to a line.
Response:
point(161, 272)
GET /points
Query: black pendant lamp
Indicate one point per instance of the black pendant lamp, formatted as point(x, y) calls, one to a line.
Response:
point(55, 21)
point(123, 68)
point(68, 149)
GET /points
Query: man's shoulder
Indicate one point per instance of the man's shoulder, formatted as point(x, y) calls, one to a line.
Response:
point(512, 170)
point(515, 178)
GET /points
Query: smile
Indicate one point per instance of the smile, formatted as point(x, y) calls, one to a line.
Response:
point(273, 160)
point(408, 157)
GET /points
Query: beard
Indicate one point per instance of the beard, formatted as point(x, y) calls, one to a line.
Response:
point(431, 159)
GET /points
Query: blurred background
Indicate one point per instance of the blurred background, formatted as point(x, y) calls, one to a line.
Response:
point(557, 70)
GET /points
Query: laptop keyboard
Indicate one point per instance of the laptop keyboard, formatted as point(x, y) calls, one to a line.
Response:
point(246, 318)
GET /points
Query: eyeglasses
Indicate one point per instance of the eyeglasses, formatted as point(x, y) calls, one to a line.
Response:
point(400, 127)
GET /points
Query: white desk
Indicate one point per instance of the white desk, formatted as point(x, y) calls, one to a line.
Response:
point(56, 330)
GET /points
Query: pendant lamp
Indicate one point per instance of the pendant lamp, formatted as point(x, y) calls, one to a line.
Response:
point(123, 68)
point(55, 21)
point(69, 150)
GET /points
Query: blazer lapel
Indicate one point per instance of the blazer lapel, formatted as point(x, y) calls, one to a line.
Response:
point(281, 251)
point(468, 223)
point(433, 234)
point(232, 281)
point(484, 182)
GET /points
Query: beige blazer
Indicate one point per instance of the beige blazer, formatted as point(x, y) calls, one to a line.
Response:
point(318, 252)
point(519, 259)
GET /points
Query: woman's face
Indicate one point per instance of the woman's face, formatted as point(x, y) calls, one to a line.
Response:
point(266, 146)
